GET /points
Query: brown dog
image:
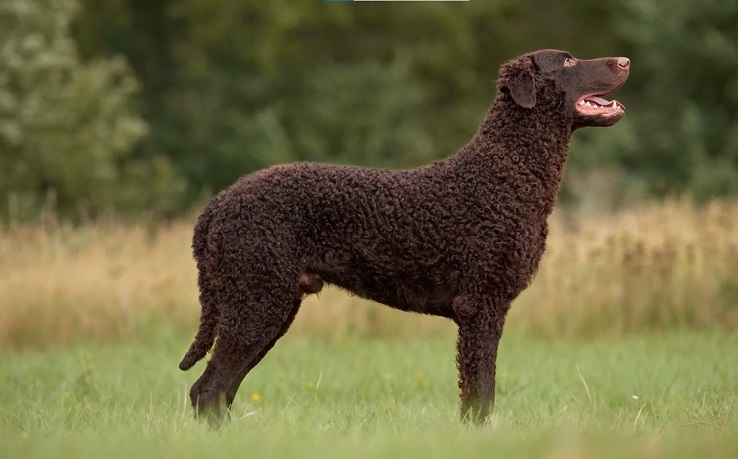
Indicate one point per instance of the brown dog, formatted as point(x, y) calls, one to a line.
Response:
point(459, 238)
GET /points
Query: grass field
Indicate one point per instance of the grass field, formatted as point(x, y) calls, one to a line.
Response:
point(625, 345)
point(666, 395)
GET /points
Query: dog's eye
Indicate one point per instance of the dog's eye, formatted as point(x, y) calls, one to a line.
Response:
point(569, 62)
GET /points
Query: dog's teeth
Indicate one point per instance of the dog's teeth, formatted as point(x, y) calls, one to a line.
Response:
point(614, 104)
point(581, 102)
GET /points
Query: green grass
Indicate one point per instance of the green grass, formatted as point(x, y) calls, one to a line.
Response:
point(380, 398)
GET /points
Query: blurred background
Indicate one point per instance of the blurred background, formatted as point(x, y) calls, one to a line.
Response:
point(118, 120)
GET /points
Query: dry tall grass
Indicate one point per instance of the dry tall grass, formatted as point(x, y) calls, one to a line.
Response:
point(645, 268)
point(652, 267)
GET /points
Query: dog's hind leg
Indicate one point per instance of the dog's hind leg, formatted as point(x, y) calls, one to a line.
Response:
point(254, 315)
point(233, 388)
point(308, 284)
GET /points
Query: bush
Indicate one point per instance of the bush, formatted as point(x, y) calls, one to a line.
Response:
point(66, 127)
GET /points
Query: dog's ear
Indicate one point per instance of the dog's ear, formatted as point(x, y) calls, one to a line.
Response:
point(519, 82)
point(523, 89)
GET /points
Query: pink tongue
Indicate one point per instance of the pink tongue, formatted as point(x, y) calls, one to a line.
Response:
point(599, 100)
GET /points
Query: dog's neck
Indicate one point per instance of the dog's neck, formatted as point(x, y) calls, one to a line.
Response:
point(525, 149)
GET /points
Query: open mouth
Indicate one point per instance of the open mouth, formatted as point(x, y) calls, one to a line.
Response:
point(594, 105)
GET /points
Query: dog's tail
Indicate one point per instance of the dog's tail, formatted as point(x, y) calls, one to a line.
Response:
point(206, 251)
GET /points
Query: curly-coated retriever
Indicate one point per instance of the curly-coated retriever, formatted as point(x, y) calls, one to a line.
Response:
point(458, 238)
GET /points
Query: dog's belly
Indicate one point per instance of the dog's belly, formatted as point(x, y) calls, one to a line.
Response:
point(413, 290)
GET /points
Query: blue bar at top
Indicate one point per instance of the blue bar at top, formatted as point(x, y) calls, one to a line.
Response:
point(396, 1)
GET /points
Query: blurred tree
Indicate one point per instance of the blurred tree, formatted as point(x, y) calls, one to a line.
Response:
point(681, 134)
point(237, 86)
point(65, 126)
point(234, 86)
point(230, 87)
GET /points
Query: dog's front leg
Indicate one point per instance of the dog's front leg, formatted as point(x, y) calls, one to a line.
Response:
point(480, 321)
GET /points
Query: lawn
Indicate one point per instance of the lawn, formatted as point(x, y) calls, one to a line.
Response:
point(654, 395)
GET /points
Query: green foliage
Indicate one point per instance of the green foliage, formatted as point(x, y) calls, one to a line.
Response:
point(681, 132)
point(230, 87)
point(235, 86)
point(363, 114)
point(67, 126)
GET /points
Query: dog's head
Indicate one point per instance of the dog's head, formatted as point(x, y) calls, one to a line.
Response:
point(551, 76)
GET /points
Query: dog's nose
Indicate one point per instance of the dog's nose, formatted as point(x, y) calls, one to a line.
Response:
point(623, 62)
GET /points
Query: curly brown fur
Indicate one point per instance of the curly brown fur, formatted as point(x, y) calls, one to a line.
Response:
point(459, 238)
